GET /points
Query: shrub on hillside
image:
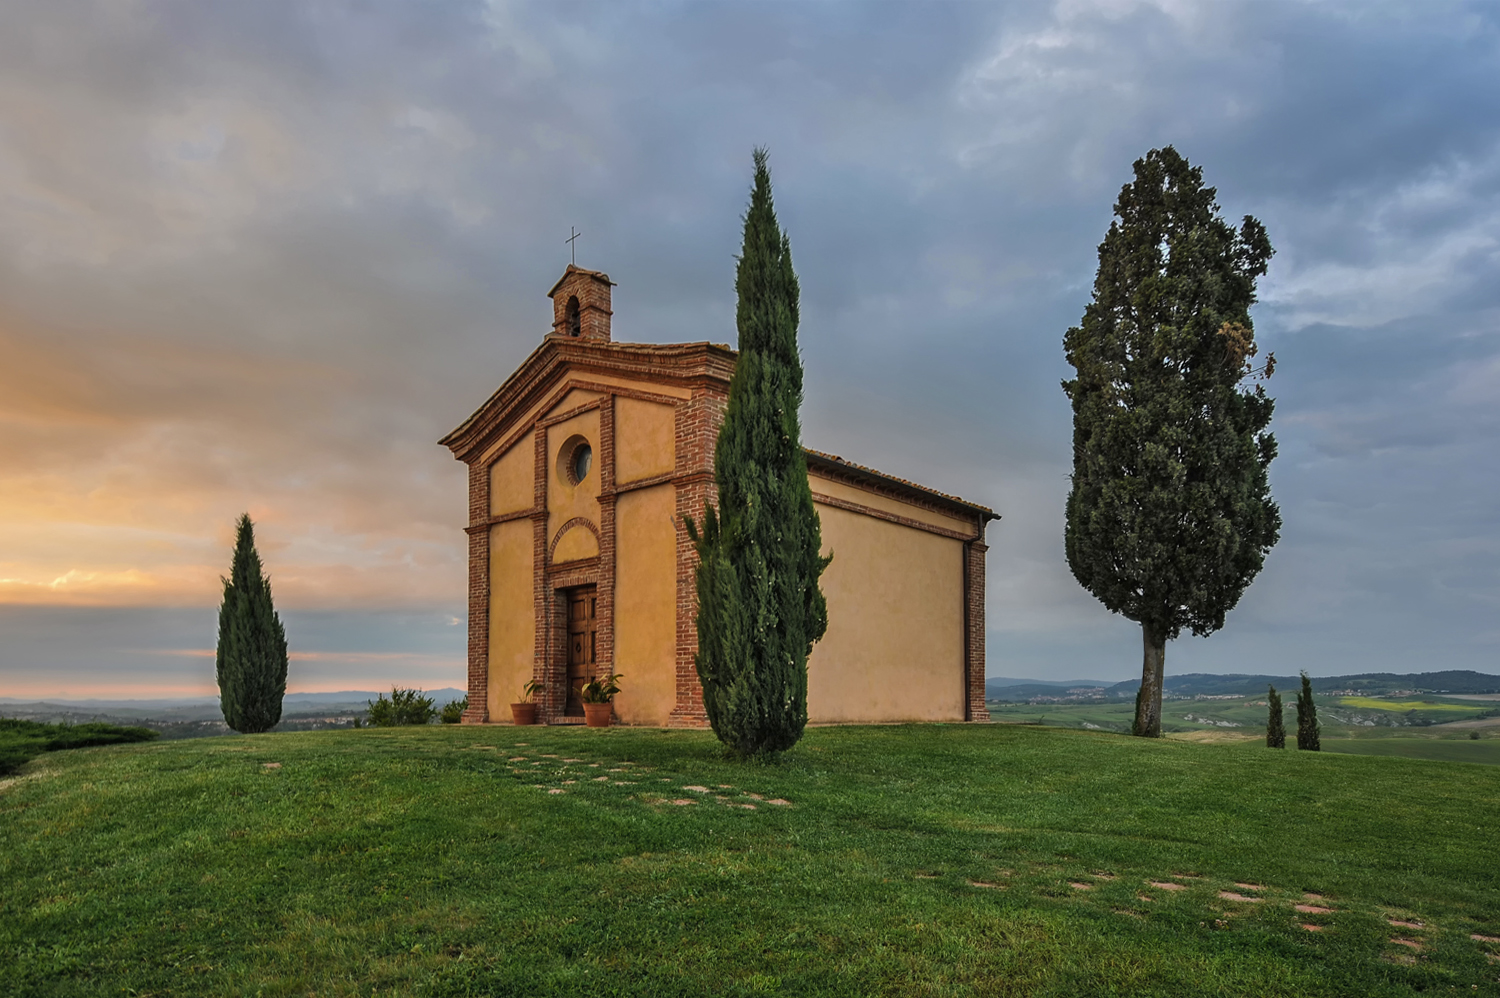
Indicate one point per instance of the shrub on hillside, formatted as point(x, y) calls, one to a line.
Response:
point(1275, 725)
point(404, 707)
point(1307, 718)
point(453, 711)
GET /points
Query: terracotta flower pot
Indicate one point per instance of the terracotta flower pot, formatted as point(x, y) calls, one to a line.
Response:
point(597, 715)
point(523, 713)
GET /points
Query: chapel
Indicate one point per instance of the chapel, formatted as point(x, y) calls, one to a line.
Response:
point(582, 466)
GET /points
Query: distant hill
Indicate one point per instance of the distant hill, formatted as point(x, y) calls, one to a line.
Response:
point(1001, 681)
point(1195, 684)
point(197, 716)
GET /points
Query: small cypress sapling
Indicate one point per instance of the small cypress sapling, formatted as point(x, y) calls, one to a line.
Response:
point(1307, 718)
point(251, 660)
point(1275, 725)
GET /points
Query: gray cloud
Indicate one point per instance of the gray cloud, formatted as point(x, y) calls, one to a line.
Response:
point(262, 256)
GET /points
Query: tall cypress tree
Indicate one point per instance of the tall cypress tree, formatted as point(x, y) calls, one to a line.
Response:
point(759, 605)
point(251, 661)
point(1307, 718)
point(1170, 515)
point(1275, 723)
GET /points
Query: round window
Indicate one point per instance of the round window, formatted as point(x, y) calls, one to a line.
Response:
point(575, 459)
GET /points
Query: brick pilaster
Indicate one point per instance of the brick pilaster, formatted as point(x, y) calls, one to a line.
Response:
point(974, 708)
point(697, 432)
point(605, 591)
point(479, 595)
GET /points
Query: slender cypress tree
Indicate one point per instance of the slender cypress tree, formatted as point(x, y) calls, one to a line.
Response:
point(1307, 718)
point(759, 605)
point(1275, 725)
point(251, 661)
point(1170, 515)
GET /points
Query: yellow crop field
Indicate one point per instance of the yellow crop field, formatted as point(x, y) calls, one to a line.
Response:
point(1403, 706)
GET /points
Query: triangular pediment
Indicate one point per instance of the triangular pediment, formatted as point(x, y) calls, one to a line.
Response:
point(562, 365)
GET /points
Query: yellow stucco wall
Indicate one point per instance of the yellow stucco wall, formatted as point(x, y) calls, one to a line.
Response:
point(894, 650)
point(526, 416)
point(512, 478)
point(512, 616)
point(574, 543)
point(850, 493)
point(645, 439)
point(572, 400)
point(565, 500)
point(646, 605)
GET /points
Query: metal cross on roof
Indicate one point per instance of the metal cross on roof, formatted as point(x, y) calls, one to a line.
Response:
point(571, 243)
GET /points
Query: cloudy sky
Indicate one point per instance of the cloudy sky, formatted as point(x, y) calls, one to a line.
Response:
point(262, 256)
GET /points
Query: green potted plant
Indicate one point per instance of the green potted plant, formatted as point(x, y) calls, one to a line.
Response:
point(598, 696)
point(525, 711)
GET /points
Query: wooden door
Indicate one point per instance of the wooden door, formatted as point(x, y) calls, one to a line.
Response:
point(583, 643)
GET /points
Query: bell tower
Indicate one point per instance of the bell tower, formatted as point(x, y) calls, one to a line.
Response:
point(580, 304)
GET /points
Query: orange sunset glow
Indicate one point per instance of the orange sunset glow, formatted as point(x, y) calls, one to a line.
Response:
point(261, 258)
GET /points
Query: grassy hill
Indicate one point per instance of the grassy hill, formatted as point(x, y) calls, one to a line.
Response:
point(924, 860)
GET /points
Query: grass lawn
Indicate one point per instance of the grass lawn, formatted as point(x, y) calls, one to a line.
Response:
point(1441, 749)
point(22, 741)
point(921, 860)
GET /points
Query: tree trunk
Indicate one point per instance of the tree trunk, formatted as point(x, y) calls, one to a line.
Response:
point(1148, 701)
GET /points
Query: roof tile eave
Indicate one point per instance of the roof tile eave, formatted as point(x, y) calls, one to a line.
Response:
point(903, 483)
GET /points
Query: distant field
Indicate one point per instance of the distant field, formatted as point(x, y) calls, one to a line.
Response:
point(924, 860)
point(1247, 714)
point(1402, 706)
point(1339, 716)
